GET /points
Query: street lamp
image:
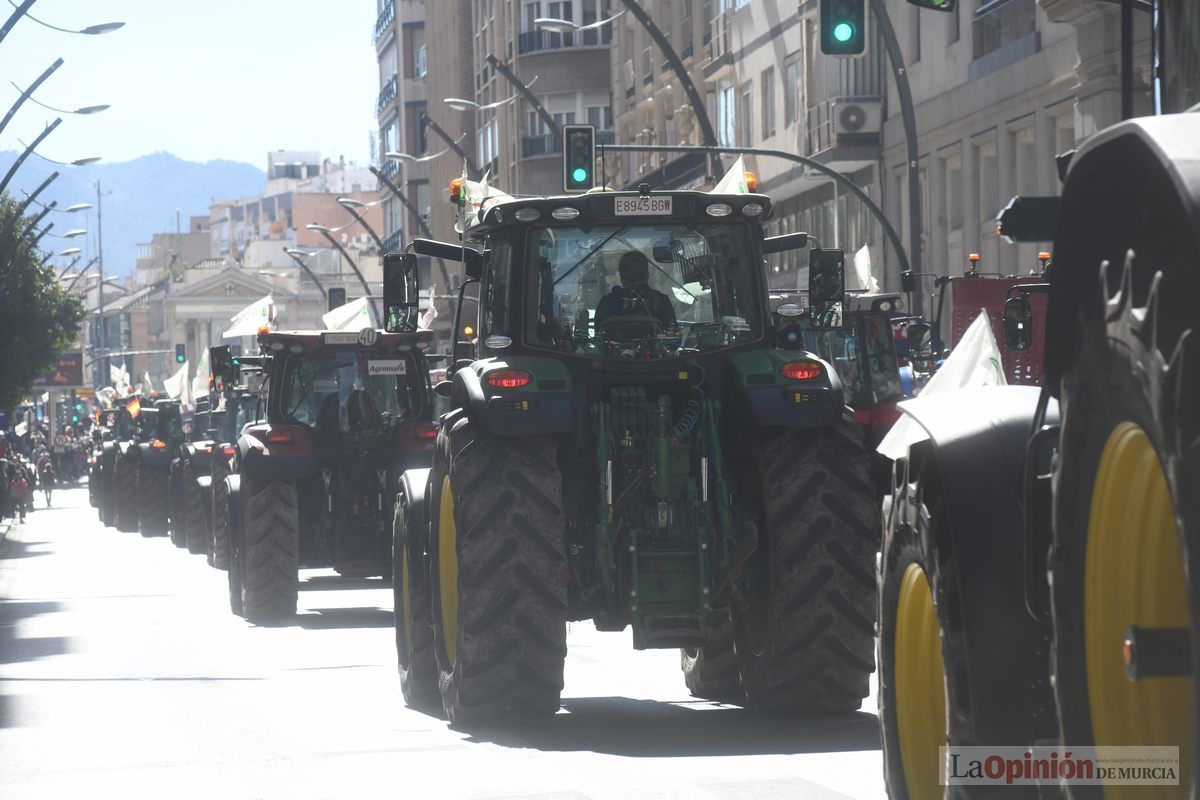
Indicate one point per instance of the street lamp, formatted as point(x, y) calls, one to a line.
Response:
point(90, 30)
point(79, 162)
point(298, 256)
point(328, 232)
point(70, 251)
point(394, 156)
point(84, 110)
point(351, 205)
point(567, 26)
point(462, 104)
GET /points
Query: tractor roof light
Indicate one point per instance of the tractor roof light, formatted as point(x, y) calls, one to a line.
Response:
point(801, 370)
point(751, 182)
point(457, 197)
point(509, 378)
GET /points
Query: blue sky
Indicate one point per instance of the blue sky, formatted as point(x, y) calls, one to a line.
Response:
point(227, 79)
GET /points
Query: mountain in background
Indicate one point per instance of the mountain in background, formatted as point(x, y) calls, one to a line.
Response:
point(144, 195)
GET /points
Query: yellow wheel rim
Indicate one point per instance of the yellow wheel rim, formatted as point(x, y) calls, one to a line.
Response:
point(448, 570)
point(405, 601)
point(1133, 576)
point(920, 686)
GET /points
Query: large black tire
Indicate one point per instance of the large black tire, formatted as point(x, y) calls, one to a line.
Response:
point(501, 654)
point(175, 504)
point(105, 504)
point(93, 485)
point(218, 543)
point(268, 549)
point(125, 505)
point(152, 488)
point(1120, 381)
point(711, 672)
point(230, 514)
point(415, 658)
point(806, 644)
point(193, 518)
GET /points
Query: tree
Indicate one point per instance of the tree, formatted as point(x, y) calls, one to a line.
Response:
point(39, 319)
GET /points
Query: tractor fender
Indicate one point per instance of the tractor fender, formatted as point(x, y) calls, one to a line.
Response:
point(977, 445)
point(205, 483)
point(529, 410)
point(154, 457)
point(761, 395)
point(413, 486)
point(108, 454)
point(276, 468)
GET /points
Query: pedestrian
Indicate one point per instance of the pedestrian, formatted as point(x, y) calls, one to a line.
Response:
point(20, 492)
point(46, 478)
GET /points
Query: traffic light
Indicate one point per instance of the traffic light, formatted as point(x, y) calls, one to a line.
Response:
point(337, 297)
point(843, 27)
point(180, 353)
point(579, 158)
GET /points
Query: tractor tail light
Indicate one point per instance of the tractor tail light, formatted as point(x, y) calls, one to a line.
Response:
point(801, 370)
point(158, 444)
point(278, 437)
point(416, 437)
point(427, 432)
point(509, 378)
point(228, 451)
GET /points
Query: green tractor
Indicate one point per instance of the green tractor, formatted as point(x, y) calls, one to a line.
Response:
point(628, 443)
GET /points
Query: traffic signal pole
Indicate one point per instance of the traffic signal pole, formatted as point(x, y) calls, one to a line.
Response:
point(908, 116)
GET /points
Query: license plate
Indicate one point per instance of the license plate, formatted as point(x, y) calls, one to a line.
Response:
point(642, 206)
point(340, 338)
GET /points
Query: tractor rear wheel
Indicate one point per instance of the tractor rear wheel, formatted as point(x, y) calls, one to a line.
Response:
point(105, 503)
point(269, 544)
point(125, 498)
point(498, 566)
point(414, 618)
point(805, 633)
point(152, 487)
point(711, 672)
point(192, 516)
point(218, 544)
point(175, 506)
point(1127, 524)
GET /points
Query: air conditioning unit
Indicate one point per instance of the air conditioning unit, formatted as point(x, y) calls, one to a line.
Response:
point(857, 116)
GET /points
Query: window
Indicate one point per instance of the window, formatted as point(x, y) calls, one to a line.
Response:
point(495, 299)
point(417, 51)
point(338, 394)
point(791, 89)
point(600, 117)
point(952, 32)
point(745, 117)
point(766, 90)
point(725, 116)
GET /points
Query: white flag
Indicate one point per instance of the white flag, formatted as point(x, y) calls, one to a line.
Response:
point(974, 361)
point(177, 383)
point(862, 268)
point(734, 181)
point(425, 321)
point(149, 383)
point(353, 316)
point(120, 378)
point(200, 382)
point(254, 316)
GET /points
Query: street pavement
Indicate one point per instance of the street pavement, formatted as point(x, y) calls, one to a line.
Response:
point(123, 674)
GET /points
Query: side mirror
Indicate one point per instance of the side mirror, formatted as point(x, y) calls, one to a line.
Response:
point(442, 388)
point(908, 281)
point(1018, 323)
point(222, 363)
point(920, 341)
point(400, 293)
point(826, 287)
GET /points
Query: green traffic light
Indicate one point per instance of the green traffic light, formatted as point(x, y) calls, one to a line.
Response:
point(843, 32)
point(579, 175)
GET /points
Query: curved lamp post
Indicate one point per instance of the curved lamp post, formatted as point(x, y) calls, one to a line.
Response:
point(298, 256)
point(85, 110)
point(25, 95)
point(351, 205)
point(327, 232)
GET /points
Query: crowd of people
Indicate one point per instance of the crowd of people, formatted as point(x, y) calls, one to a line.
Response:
point(29, 463)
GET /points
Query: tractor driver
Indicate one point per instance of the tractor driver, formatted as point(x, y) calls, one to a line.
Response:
point(635, 298)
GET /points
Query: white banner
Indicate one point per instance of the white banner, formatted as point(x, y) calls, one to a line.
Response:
point(200, 382)
point(734, 181)
point(254, 316)
point(974, 361)
point(354, 316)
point(177, 384)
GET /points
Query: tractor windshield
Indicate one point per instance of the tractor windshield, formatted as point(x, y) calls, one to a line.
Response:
point(642, 291)
point(350, 393)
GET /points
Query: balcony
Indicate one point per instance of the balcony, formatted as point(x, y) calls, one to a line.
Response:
point(394, 242)
point(385, 18)
point(538, 41)
point(1001, 23)
point(389, 168)
point(386, 95)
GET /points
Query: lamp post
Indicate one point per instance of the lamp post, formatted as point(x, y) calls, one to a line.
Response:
point(472, 170)
point(707, 133)
point(25, 95)
point(351, 205)
point(328, 234)
point(29, 149)
point(298, 256)
point(15, 17)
